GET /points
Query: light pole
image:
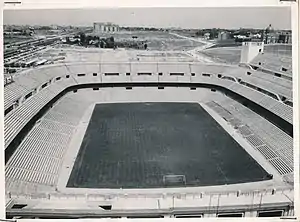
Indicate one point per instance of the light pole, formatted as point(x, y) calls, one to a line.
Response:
point(100, 66)
point(210, 196)
point(218, 203)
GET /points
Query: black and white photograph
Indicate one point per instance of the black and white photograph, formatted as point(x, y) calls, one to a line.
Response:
point(148, 112)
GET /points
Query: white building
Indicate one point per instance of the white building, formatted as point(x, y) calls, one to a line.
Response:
point(223, 36)
point(105, 27)
point(250, 50)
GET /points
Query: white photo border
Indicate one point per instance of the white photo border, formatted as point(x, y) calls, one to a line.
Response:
point(71, 4)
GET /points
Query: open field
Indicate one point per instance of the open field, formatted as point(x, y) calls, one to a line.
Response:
point(136, 145)
point(229, 55)
point(76, 53)
point(156, 40)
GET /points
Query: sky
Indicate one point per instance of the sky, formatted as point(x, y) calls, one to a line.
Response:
point(260, 17)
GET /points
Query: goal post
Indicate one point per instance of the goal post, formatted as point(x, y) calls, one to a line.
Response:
point(171, 180)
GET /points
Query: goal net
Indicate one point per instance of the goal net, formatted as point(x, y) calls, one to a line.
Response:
point(174, 180)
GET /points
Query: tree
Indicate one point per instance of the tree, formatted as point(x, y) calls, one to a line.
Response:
point(110, 42)
point(214, 33)
point(68, 39)
point(82, 38)
point(102, 44)
point(200, 33)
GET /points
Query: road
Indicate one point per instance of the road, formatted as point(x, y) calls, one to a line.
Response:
point(194, 39)
point(195, 52)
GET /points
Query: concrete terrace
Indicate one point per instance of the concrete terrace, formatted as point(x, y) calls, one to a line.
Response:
point(54, 141)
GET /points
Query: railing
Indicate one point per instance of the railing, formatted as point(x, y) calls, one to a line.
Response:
point(163, 194)
point(156, 205)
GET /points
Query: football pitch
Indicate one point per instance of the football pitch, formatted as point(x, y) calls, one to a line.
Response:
point(136, 145)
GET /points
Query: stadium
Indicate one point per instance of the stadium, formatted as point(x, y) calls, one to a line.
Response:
point(187, 138)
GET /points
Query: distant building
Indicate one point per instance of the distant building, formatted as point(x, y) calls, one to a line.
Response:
point(54, 27)
point(207, 35)
point(105, 27)
point(285, 37)
point(256, 36)
point(271, 36)
point(223, 36)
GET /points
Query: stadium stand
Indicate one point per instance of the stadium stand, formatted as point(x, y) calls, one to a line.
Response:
point(277, 64)
point(34, 166)
point(45, 95)
point(47, 142)
point(267, 138)
point(45, 145)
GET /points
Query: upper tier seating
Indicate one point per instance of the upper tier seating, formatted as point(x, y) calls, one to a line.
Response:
point(274, 62)
point(66, 75)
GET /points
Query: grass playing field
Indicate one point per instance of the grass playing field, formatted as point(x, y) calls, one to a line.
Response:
point(135, 145)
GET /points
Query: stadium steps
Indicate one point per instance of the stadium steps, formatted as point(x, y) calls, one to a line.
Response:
point(50, 136)
point(61, 116)
point(67, 108)
point(57, 127)
point(281, 166)
point(268, 102)
point(249, 93)
point(273, 62)
point(270, 86)
point(284, 111)
point(288, 84)
point(35, 162)
point(45, 150)
point(38, 158)
point(24, 84)
point(41, 147)
point(267, 152)
point(24, 187)
point(18, 175)
point(14, 123)
point(264, 143)
point(270, 133)
point(58, 117)
point(262, 78)
point(12, 92)
point(280, 109)
point(254, 141)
